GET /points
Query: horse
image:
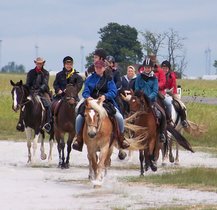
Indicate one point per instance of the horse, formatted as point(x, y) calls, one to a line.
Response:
point(33, 118)
point(97, 135)
point(64, 122)
point(139, 101)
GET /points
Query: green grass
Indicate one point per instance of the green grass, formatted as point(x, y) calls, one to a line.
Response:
point(189, 207)
point(204, 88)
point(193, 178)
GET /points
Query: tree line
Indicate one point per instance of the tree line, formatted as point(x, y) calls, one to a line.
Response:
point(128, 46)
point(11, 67)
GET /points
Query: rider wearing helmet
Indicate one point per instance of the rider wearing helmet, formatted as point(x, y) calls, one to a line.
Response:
point(148, 83)
point(110, 60)
point(171, 85)
point(99, 54)
point(68, 75)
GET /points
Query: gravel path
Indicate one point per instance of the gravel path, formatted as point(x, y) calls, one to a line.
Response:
point(49, 188)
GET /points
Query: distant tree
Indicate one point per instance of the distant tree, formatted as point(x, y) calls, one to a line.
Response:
point(152, 42)
point(11, 67)
point(175, 51)
point(215, 65)
point(120, 41)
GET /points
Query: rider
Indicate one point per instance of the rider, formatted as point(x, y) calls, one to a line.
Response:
point(128, 84)
point(99, 54)
point(98, 85)
point(67, 76)
point(110, 60)
point(37, 82)
point(148, 83)
point(171, 85)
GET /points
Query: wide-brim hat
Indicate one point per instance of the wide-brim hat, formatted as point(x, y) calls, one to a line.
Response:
point(39, 60)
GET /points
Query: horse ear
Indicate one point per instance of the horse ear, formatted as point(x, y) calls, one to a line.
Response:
point(12, 83)
point(21, 82)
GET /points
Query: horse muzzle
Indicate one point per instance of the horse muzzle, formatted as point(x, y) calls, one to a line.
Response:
point(16, 108)
point(92, 134)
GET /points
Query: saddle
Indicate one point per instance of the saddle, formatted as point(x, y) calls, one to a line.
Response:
point(158, 111)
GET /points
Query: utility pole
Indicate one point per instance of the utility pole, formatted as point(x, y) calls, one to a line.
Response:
point(82, 58)
point(0, 55)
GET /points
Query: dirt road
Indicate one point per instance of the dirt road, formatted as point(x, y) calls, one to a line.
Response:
point(49, 188)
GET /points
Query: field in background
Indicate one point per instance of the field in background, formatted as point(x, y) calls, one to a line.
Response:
point(199, 113)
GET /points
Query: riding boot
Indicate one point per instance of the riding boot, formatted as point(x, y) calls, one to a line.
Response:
point(162, 128)
point(183, 118)
point(20, 125)
point(123, 142)
point(78, 142)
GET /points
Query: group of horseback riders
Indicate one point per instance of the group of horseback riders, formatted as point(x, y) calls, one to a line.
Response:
point(103, 82)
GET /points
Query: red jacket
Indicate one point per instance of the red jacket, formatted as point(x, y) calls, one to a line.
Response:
point(171, 81)
point(159, 73)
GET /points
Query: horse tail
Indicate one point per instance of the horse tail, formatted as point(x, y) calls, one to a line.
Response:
point(179, 138)
point(195, 129)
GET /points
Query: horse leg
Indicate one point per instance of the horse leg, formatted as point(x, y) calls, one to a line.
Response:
point(69, 148)
point(28, 137)
point(141, 158)
point(35, 142)
point(101, 166)
point(91, 172)
point(50, 150)
point(177, 154)
point(171, 157)
point(62, 149)
point(153, 153)
point(147, 159)
point(43, 154)
point(108, 160)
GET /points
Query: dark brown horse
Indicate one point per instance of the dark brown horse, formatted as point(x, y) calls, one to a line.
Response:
point(140, 102)
point(64, 122)
point(33, 118)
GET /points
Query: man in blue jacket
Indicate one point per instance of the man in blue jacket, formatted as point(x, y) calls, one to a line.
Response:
point(98, 86)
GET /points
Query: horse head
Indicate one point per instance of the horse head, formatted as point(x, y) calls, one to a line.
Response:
point(71, 93)
point(139, 102)
point(19, 94)
point(94, 114)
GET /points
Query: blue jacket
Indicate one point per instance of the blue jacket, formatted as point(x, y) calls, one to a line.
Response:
point(149, 86)
point(95, 86)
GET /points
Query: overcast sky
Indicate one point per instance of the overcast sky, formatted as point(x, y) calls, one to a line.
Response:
point(61, 27)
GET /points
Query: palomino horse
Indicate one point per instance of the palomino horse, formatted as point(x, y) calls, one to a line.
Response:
point(97, 135)
point(33, 118)
point(64, 122)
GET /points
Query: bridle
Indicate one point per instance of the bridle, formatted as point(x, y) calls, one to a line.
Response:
point(22, 101)
point(95, 124)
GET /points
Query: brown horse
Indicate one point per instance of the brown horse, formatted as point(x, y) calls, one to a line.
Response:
point(140, 102)
point(64, 122)
point(97, 135)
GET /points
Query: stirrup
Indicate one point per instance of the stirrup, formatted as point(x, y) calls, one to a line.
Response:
point(77, 146)
point(125, 144)
point(47, 127)
point(184, 123)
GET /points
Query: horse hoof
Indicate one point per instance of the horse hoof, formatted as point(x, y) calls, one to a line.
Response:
point(122, 155)
point(67, 166)
point(146, 167)
point(171, 159)
point(142, 175)
point(44, 156)
point(97, 186)
point(163, 164)
point(154, 168)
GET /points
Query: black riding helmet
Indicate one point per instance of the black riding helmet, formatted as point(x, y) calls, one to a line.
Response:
point(166, 64)
point(67, 59)
point(148, 62)
point(100, 52)
point(110, 59)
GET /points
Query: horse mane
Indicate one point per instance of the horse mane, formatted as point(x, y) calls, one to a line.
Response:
point(97, 107)
point(139, 94)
